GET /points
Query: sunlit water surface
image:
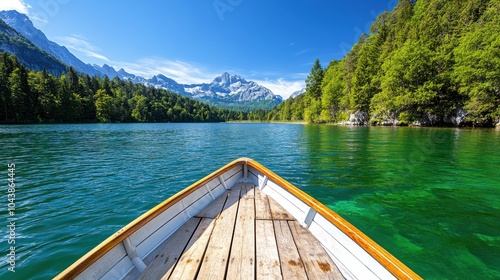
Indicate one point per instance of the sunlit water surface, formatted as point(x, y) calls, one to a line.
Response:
point(429, 196)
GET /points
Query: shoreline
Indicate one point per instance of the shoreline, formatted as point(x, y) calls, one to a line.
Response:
point(496, 127)
point(282, 122)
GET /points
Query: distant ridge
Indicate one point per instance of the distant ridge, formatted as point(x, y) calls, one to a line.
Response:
point(24, 26)
point(28, 54)
point(230, 91)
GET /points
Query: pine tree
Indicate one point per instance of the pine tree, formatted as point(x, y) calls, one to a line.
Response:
point(18, 95)
point(314, 80)
point(5, 96)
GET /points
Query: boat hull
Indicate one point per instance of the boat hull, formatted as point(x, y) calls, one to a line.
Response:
point(131, 249)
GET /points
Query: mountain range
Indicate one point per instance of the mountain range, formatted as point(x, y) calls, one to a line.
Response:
point(231, 91)
point(11, 41)
point(24, 26)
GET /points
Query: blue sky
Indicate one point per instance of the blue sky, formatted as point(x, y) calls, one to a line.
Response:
point(273, 43)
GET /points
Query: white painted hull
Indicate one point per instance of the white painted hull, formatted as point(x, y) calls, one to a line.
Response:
point(126, 253)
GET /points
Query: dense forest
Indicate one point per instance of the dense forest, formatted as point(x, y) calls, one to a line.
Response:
point(27, 96)
point(428, 62)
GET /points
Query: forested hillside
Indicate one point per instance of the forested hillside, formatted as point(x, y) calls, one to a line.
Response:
point(428, 62)
point(27, 96)
point(30, 55)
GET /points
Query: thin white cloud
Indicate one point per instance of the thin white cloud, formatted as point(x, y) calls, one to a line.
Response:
point(301, 52)
point(282, 87)
point(181, 71)
point(81, 45)
point(18, 5)
point(38, 19)
point(299, 76)
point(191, 73)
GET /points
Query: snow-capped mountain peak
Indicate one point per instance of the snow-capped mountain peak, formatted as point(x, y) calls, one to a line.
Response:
point(226, 79)
point(231, 88)
point(224, 90)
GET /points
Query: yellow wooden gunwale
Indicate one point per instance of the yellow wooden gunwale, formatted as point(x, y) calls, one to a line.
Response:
point(387, 260)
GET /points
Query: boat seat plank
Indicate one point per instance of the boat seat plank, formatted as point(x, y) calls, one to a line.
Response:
point(166, 259)
point(292, 266)
point(316, 261)
point(278, 212)
point(215, 261)
point(250, 187)
point(190, 261)
point(262, 208)
point(268, 262)
point(242, 259)
point(246, 240)
point(225, 227)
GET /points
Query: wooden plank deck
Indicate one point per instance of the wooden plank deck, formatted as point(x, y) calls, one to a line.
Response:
point(243, 234)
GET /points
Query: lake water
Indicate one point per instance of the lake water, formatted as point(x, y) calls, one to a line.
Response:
point(429, 196)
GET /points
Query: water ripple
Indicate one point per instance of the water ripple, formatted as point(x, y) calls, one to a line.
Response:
point(430, 196)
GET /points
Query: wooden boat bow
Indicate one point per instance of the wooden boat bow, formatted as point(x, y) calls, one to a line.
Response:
point(328, 227)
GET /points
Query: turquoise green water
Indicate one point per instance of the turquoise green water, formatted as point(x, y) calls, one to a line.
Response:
point(429, 196)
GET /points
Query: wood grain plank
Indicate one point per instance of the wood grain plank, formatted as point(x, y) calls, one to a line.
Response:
point(242, 257)
point(278, 212)
point(250, 190)
point(167, 258)
point(243, 189)
point(262, 208)
point(391, 263)
point(268, 262)
point(215, 261)
point(316, 261)
point(292, 266)
point(189, 263)
point(214, 208)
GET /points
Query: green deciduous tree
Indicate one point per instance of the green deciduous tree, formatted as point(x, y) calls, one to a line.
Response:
point(477, 70)
point(333, 100)
point(407, 86)
point(18, 94)
point(106, 110)
point(423, 62)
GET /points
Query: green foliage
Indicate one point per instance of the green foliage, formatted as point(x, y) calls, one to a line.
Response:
point(29, 96)
point(365, 82)
point(314, 80)
point(333, 100)
point(477, 71)
point(424, 62)
point(407, 85)
point(242, 105)
point(313, 111)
